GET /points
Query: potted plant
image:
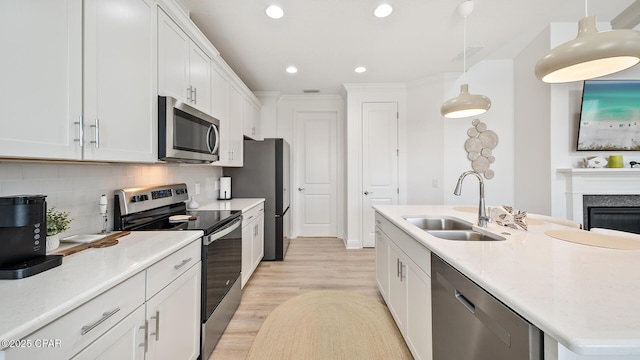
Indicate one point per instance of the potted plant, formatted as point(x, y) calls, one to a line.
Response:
point(57, 222)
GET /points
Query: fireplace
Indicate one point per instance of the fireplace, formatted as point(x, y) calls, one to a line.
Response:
point(618, 212)
point(607, 198)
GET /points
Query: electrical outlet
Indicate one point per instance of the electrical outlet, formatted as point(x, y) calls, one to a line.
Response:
point(197, 188)
point(434, 183)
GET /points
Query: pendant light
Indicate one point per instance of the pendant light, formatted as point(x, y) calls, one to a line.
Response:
point(465, 104)
point(591, 54)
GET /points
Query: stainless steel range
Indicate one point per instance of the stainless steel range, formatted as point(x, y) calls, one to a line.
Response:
point(163, 208)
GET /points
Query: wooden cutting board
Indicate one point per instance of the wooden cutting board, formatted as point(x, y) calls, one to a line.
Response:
point(106, 241)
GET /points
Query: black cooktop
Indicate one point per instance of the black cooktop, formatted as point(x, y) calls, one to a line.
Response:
point(160, 219)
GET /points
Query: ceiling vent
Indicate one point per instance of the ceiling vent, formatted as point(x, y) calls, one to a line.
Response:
point(471, 51)
point(311, 91)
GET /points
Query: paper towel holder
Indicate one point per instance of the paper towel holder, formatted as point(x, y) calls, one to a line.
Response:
point(225, 188)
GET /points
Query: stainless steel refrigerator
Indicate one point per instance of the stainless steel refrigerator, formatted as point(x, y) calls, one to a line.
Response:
point(265, 174)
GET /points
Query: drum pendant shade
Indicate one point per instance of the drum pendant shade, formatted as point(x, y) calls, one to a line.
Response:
point(591, 54)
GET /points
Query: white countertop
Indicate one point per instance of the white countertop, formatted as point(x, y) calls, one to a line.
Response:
point(587, 298)
point(243, 204)
point(30, 303)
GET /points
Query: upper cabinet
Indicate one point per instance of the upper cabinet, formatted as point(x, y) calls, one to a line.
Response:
point(251, 120)
point(120, 108)
point(58, 107)
point(184, 70)
point(41, 87)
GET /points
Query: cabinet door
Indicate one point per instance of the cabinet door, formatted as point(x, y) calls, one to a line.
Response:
point(233, 142)
point(124, 341)
point(119, 80)
point(382, 263)
point(173, 317)
point(219, 96)
point(173, 59)
point(257, 250)
point(397, 296)
point(418, 324)
point(200, 78)
point(247, 241)
point(41, 86)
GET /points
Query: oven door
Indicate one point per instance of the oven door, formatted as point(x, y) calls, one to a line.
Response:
point(222, 260)
point(186, 134)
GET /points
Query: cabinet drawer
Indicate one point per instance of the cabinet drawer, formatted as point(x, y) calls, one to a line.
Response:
point(72, 332)
point(252, 214)
point(168, 269)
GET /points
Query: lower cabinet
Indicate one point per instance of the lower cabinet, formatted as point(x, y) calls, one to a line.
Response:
point(154, 314)
point(124, 341)
point(405, 286)
point(252, 241)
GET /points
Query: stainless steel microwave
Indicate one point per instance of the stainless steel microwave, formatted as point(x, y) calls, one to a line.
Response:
point(186, 134)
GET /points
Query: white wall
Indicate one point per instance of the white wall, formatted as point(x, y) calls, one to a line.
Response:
point(76, 187)
point(492, 78)
point(424, 135)
point(532, 149)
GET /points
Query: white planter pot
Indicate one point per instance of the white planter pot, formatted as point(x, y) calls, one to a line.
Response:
point(53, 242)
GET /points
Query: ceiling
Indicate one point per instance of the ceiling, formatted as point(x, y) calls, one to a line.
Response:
point(327, 39)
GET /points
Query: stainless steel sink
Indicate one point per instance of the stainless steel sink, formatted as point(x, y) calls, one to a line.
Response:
point(465, 235)
point(438, 223)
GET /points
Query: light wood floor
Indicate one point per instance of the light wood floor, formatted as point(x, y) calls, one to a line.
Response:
point(310, 264)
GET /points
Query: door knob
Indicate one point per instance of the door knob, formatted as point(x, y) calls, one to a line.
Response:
point(368, 192)
point(300, 189)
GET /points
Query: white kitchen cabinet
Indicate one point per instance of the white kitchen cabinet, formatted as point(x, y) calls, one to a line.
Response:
point(184, 70)
point(126, 340)
point(231, 148)
point(173, 317)
point(120, 108)
point(83, 325)
point(252, 240)
point(408, 293)
point(219, 94)
point(41, 87)
point(91, 73)
point(251, 120)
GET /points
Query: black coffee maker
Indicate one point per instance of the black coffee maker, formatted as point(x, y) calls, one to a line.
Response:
point(23, 237)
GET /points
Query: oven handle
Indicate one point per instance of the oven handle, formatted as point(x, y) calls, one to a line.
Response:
point(217, 235)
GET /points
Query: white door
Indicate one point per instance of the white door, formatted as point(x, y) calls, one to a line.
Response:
point(379, 162)
point(173, 59)
point(200, 78)
point(316, 173)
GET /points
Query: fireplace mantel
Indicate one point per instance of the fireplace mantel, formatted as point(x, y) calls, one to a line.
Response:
point(604, 181)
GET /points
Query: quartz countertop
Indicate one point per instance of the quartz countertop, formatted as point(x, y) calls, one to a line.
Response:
point(31, 303)
point(243, 204)
point(584, 297)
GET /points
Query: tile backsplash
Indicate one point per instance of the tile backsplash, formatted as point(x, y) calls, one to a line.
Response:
point(76, 187)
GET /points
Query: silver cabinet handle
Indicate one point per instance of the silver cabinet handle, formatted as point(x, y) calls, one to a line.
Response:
point(397, 267)
point(402, 272)
point(195, 95)
point(300, 189)
point(183, 263)
point(105, 316)
point(157, 319)
point(368, 192)
point(145, 344)
point(189, 94)
point(96, 129)
point(80, 138)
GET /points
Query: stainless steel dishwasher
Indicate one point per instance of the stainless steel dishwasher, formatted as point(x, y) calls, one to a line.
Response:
point(470, 324)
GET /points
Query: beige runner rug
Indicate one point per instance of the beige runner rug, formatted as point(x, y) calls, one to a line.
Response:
point(329, 324)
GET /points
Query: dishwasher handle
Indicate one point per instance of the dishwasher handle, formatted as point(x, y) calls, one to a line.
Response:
point(463, 299)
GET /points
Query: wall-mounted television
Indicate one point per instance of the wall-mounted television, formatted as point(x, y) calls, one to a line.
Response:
point(610, 116)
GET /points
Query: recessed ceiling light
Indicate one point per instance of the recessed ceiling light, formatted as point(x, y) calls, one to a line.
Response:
point(360, 69)
point(383, 10)
point(291, 69)
point(274, 12)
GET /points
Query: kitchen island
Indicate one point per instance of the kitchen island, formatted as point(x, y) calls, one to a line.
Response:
point(583, 298)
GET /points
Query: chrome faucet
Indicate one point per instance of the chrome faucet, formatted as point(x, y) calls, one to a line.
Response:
point(482, 214)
